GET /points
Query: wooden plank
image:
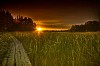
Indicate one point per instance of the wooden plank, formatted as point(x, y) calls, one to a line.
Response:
point(16, 55)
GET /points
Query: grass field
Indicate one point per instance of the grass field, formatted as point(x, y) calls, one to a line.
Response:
point(61, 48)
point(4, 45)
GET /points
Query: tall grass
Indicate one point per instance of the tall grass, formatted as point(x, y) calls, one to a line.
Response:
point(61, 48)
point(4, 45)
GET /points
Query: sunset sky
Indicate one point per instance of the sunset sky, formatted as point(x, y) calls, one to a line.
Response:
point(54, 14)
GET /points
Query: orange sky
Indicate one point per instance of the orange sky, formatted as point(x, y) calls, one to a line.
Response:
point(55, 14)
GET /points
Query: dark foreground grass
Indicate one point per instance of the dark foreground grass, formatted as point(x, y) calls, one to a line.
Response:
point(4, 45)
point(61, 48)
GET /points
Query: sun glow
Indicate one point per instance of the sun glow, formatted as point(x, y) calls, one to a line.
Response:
point(39, 29)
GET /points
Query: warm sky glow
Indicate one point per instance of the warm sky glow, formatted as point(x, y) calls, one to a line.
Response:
point(55, 15)
point(39, 29)
point(52, 25)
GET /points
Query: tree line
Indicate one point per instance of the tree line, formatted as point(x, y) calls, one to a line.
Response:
point(20, 23)
point(90, 26)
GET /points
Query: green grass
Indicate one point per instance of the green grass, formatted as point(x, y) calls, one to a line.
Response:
point(56, 48)
point(4, 45)
point(61, 48)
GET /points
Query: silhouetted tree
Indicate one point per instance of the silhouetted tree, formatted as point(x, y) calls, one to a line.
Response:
point(25, 24)
point(75, 28)
point(82, 28)
point(92, 26)
point(6, 21)
point(2, 20)
point(88, 26)
point(9, 21)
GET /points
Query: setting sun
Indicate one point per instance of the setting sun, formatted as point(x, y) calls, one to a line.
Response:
point(39, 29)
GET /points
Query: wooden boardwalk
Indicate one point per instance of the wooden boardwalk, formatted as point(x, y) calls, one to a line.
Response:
point(16, 55)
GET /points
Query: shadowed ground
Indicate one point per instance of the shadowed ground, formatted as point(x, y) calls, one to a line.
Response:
point(16, 55)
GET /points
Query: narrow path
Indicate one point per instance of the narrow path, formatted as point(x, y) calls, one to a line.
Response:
point(16, 55)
